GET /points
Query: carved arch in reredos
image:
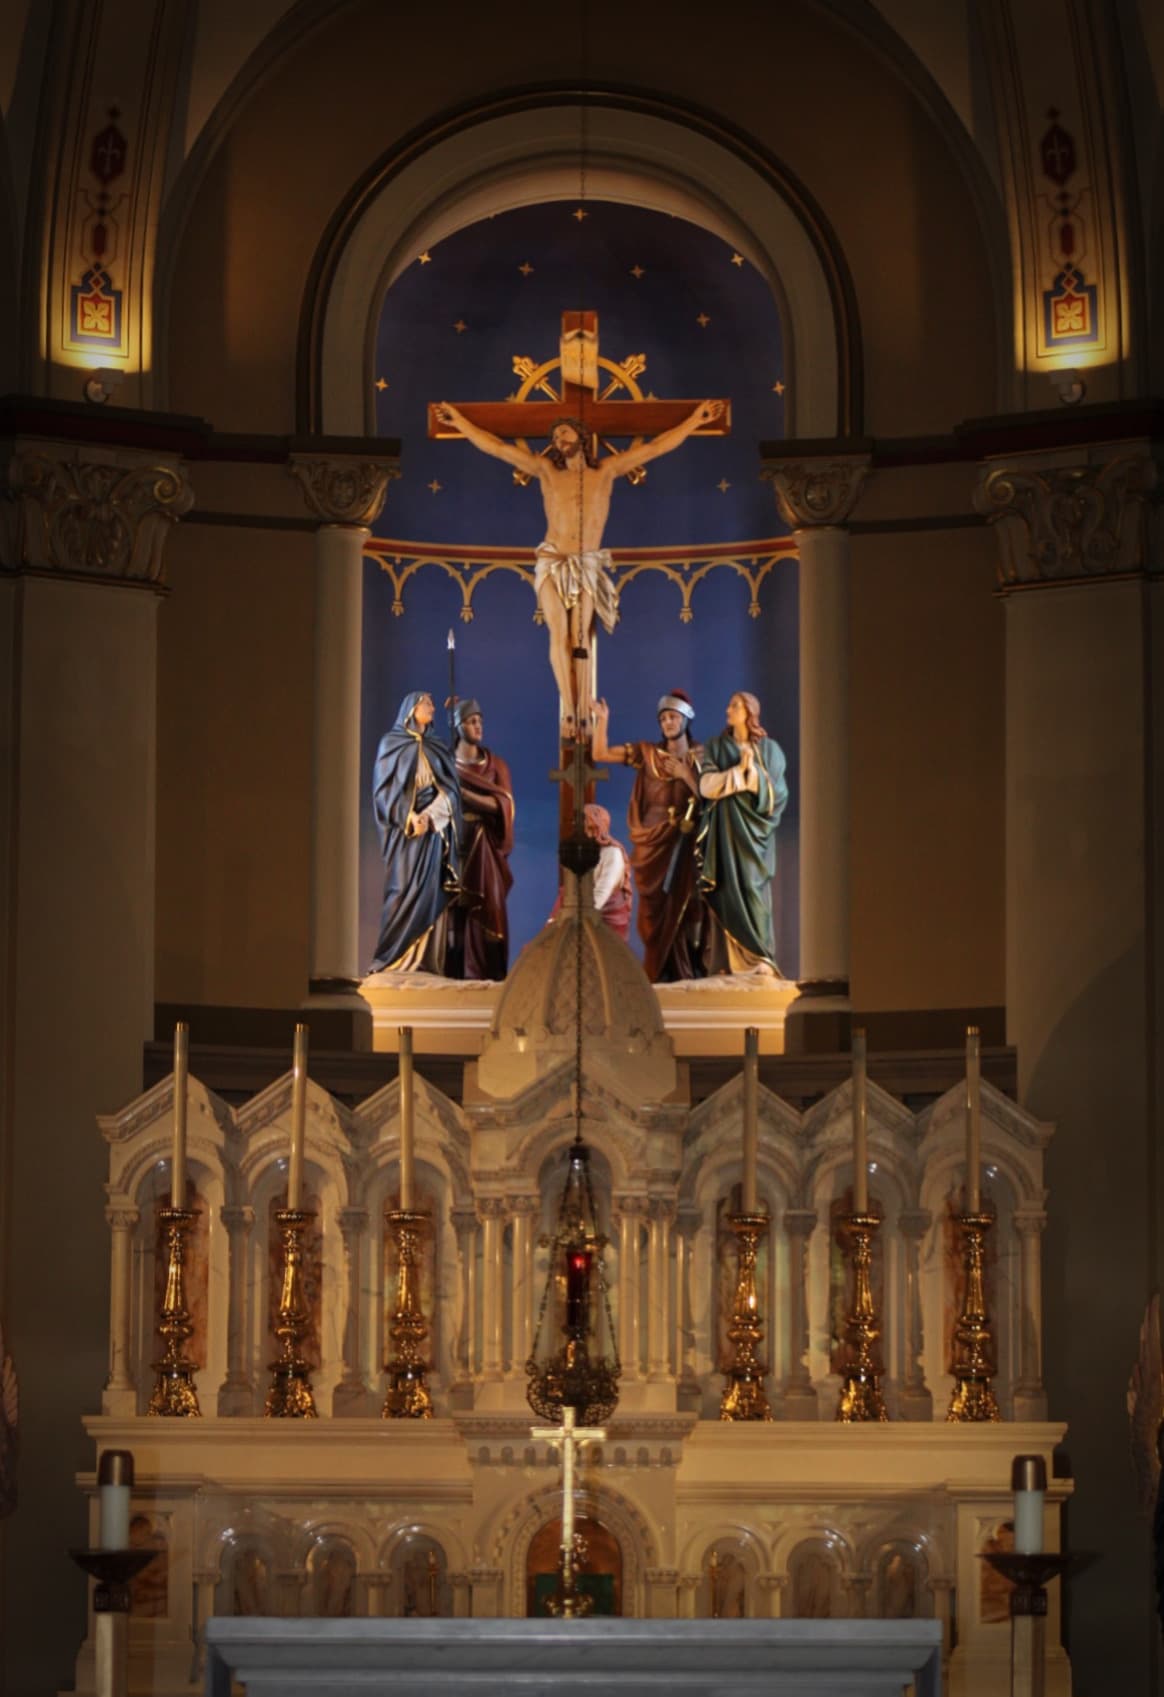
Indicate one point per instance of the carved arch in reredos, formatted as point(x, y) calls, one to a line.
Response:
point(620, 1516)
point(521, 149)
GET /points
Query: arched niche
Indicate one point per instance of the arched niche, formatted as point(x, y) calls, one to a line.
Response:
point(332, 1571)
point(598, 1566)
point(815, 1581)
point(419, 1570)
point(520, 152)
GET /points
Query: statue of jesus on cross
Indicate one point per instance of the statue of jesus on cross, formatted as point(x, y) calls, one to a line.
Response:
point(572, 574)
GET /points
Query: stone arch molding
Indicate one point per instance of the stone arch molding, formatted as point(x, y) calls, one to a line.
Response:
point(635, 157)
point(516, 1532)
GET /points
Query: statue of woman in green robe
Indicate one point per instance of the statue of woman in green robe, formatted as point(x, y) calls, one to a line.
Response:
point(741, 780)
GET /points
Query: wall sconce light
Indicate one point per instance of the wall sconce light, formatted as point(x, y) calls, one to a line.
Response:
point(101, 385)
point(1069, 386)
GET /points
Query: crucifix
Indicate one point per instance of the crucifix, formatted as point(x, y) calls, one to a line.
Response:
point(568, 1438)
point(572, 576)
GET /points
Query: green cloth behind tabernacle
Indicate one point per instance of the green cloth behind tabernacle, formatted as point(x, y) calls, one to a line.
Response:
point(738, 838)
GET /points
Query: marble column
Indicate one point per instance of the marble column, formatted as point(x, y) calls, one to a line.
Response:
point(772, 1587)
point(630, 1211)
point(798, 1399)
point(687, 1222)
point(662, 1585)
point(523, 1210)
point(660, 1213)
point(1030, 1393)
point(120, 1393)
point(83, 529)
point(916, 1401)
point(465, 1224)
point(1081, 549)
point(856, 1587)
point(492, 1210)
point(459, 1582)
point(942, 1591)
point(236, 1394)
point(688, 1591)
point(815, 498)
point(347, 494)
point(351, 1395)
point(485, 1591)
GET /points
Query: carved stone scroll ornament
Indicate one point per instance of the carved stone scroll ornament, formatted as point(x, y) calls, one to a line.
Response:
point(1060, 524)
point(817, 492)
point(343, 489)
point(89, 518)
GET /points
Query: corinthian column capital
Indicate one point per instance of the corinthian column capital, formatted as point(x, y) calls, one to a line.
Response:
point(92, 512)
point(1064, 523)
point(343, 488)
point(817, 492)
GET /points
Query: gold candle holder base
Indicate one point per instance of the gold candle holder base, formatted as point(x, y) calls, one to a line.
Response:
point(290, 1396)
point(973, 1399)
point(174, 1396)
point(860, 1399)
point(744, 1396)
point(408, 1395)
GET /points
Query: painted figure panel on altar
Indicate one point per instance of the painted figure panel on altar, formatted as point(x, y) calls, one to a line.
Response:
point(709, 609)
point(149, 1590)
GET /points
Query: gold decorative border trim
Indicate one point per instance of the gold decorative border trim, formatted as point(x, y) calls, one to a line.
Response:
point(685, 567)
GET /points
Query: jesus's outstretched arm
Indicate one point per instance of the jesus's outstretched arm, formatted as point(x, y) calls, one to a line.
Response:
point(705, 413)
point(524, 461)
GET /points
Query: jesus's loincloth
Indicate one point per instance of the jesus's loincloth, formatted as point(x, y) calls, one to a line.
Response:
point(573, 575)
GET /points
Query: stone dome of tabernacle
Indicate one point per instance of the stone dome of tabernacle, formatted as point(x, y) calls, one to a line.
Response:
point(534, 1026)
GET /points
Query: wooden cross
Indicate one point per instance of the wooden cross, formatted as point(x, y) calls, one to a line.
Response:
point(569, 1439)
point(579, 775)
point(580, 398)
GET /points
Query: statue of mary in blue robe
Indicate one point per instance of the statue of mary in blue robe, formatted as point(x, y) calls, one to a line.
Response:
point(417, 801)
point(744, 794)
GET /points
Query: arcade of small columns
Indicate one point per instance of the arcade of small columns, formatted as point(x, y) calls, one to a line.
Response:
point(664, 1177)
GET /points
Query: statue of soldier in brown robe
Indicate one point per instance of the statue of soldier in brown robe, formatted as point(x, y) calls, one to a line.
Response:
point(479, 944)
point(661, 819)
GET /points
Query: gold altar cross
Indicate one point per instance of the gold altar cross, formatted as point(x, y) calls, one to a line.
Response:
point(569, 1439)
point(580, 397)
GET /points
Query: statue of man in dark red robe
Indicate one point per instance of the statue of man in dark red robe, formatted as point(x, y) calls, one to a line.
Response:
point(663, 814)
point(479, 946)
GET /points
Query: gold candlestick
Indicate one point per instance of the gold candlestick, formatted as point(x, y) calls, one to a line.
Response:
point(408, 1394)
point(860, 1399)
point(290, 1396)
point(973, 1395)
point(744, 1397)
point(174, 1394)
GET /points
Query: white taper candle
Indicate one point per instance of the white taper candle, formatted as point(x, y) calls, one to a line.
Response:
point(860, 1125)
point(751, 1115)
point(178, 1154)
point(407, 1135)
point(973, 1121)
point(298, 1118)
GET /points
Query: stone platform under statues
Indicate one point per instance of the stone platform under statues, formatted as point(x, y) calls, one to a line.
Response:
point(702, 1016)
point(575, 1658)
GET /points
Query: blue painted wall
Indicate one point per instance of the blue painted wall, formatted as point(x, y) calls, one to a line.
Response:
point(474, 278)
